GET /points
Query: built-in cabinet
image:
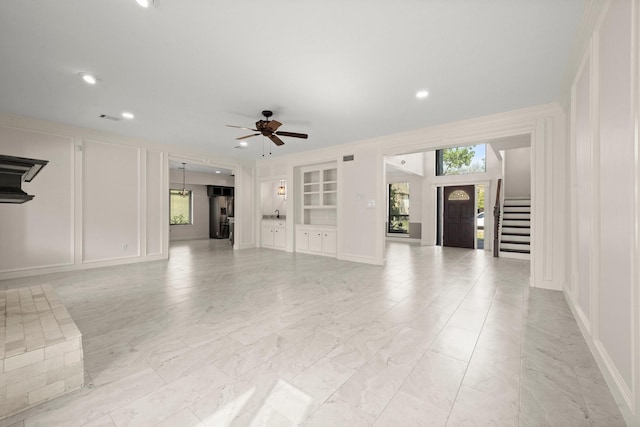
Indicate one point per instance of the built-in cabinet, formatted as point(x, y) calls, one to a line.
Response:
point(274, 234)
point(315, 231)
point(316, 240)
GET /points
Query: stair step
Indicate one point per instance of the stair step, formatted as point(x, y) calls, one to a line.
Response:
point(516, 215)
point(511, 241)
point(519, 223)
point(523, 231)
point(523, 209)
point(517, 247)
point(515, 255)
point(518, 251)
point(513, 238)
point(517, 202)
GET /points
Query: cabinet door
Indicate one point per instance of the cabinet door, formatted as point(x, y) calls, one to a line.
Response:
point(329, 241)
point(315, 240)
point(280, 237)
point(267, 235)
point(302, 239)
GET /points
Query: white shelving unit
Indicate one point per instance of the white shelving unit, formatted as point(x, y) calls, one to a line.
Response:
point(316, 228)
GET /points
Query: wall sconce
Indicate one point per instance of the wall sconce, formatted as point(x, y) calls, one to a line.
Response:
point(282, 190)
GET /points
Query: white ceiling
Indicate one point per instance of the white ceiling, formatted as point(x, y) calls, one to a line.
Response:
point(340, 71)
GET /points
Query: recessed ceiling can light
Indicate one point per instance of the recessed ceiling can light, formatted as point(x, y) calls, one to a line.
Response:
point(145, 3)
point(421, 94)
point(88, 78)
point(217, 171)
point(243, 143)
point(127, 115)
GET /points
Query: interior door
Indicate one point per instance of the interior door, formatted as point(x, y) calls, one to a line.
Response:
point(459, 216)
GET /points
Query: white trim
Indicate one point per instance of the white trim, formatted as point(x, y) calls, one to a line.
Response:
point(361, 259)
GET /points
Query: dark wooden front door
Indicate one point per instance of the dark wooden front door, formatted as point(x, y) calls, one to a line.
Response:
point(459, 216)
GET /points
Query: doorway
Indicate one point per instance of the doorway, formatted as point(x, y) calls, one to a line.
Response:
point(459, 217)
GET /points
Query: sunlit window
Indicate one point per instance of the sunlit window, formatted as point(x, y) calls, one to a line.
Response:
point(180, 208)
point(398, 208)
point(461, 160)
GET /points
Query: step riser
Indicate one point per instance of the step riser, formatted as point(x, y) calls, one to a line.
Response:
point(517, 202)
point(516, 246)
point(516, 223)
point(512, 215)
point(515, 255)
point(524, 209)
point(523, 239)
point(516, 231)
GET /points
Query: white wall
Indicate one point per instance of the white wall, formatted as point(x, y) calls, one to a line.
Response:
point(271, 200)
point(39, 233)
point(102, 200)
point(603, 285)
point(517, 172)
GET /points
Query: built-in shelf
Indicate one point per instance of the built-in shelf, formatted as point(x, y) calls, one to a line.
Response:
point(319, 194)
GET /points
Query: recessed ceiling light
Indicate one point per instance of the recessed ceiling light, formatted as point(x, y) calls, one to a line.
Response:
point(421, 94)
point(217, 171)
point(145, 3)
point(244, 143)
point(88, 78)
point(127, 115)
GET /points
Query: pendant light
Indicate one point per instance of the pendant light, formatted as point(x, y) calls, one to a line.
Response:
point(282, 190)
point(184, 192)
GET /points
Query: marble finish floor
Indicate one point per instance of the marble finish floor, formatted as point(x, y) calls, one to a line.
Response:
point(258, 337)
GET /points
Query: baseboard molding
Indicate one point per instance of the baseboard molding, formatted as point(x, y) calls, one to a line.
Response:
point(244, 246)
point(361, 259)
point(402, 239)
point(621, 393)
point(84, 266)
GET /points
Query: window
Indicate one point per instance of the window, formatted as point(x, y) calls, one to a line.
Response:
point(398, 208)
point(461, 160)
point(179, 208)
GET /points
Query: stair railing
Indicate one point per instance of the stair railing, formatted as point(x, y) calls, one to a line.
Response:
point(496, 222)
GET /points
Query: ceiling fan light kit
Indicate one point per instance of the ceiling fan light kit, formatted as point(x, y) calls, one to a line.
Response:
point(269, 128)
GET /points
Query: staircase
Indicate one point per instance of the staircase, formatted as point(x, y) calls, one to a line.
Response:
point(515, 232)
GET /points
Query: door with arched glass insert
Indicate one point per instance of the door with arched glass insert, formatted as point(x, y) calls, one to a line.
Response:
point(459, 217)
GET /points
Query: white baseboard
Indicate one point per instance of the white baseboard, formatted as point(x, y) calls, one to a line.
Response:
point(622, 394)
point(84, 266)
point(361, 259)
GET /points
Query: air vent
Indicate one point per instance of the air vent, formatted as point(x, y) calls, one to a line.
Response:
point(108, 117)
point(348, 158)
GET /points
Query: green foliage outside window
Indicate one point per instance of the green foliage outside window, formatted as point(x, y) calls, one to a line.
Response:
point(462, 160)
point(179, 208)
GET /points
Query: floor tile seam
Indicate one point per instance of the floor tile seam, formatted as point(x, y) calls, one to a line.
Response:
point(468, 363)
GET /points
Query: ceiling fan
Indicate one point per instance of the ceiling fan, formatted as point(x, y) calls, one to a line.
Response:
point(269, 128)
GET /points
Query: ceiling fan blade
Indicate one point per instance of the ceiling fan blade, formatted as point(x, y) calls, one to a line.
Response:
point(248, 136)
point(241, 127)
point(273, 125)
point(293, 134)
point(276, 140)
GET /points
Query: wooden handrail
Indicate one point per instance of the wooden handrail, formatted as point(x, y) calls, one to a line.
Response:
point(496, 221)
